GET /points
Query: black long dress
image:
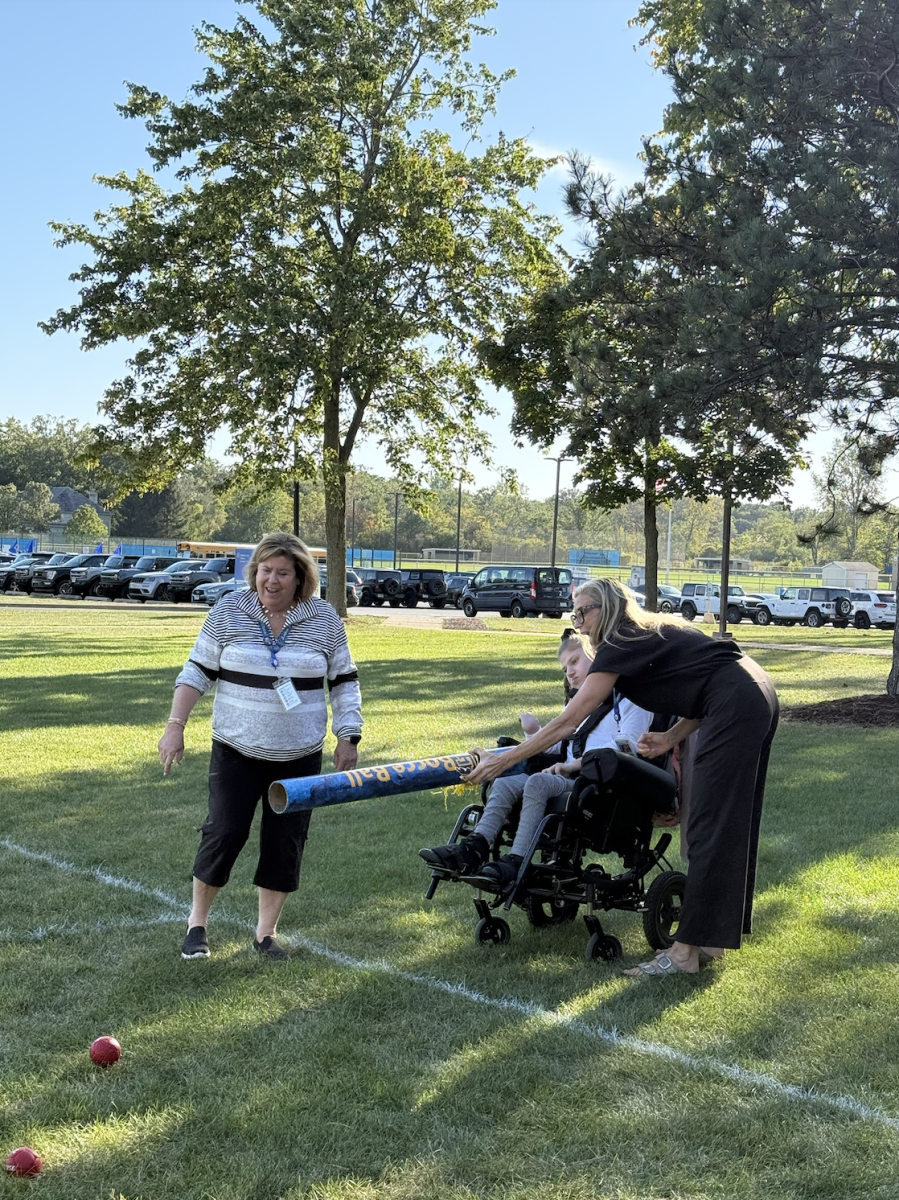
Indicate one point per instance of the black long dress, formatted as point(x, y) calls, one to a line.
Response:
point(681, 670)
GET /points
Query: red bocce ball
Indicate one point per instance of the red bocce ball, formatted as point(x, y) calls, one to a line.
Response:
point(24, 1161)
point(105, 1051)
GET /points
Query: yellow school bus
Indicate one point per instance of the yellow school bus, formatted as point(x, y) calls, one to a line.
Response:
point(216, 549)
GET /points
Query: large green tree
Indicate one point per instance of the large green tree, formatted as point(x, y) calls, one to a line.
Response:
point(786, 117)
point(326, 256)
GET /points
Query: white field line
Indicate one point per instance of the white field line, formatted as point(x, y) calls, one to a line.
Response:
point(754, 1080)
point(74, 928)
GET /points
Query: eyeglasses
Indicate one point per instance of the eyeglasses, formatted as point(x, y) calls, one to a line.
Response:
point(579, 613)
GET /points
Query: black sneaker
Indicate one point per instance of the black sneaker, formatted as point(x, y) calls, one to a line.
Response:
point(464, 857)
point(270, 947)
point(195, 944)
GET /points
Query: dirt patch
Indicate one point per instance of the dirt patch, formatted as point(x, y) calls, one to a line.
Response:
point(877, 711)
point(464, 623)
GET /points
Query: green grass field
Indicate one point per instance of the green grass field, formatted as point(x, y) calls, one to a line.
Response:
point(392, 1057)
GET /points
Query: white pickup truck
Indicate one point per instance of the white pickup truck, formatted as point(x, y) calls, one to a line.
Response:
point(813, 606)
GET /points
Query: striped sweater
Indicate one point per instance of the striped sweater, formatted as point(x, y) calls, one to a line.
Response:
point(248, 715)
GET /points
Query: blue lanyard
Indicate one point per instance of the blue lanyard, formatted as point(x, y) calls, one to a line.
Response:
point(273, 643)
point(616, 708)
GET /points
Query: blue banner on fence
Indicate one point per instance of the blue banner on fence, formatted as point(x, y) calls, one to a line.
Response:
point(595, 558)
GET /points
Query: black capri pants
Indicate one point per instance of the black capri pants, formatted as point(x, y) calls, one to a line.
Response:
point(236, 785)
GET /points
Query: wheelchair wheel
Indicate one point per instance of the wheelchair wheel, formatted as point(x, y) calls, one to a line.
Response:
point(603, 947)
point(549, 911)
point(492, 931)
point(664, 899)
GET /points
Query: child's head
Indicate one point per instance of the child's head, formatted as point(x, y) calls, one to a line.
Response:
point(575, 660)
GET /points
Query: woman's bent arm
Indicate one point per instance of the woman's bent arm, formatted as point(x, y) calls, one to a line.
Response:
point(596, 688)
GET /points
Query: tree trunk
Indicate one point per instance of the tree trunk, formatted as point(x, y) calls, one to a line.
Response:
point(651, 538)
point(893, 679)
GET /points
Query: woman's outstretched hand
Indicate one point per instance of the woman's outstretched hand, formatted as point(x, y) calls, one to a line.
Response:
point(489, 767)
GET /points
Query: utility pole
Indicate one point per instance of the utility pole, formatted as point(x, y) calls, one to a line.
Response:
point(558, 461)
point(458, 523)
point(396, 521)
point(353, 536)
point(296, 508)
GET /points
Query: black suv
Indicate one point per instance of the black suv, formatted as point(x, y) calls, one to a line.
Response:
point(113, 583)
point(519, 591)
point(57, 580)
point(8, 570)
point(86, 580)
point(353, 586)
point(429, 585)
point(378, 586)
point(455, 585)
point(212, 570)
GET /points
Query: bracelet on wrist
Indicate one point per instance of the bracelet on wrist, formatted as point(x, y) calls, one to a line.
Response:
point(176, 721)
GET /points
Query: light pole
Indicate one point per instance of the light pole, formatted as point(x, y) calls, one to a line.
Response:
point(396, 521)
point(458, 523)
point(558, 460)
point(353, 536)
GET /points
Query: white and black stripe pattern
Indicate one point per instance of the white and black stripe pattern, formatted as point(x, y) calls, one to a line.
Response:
point(230, 653)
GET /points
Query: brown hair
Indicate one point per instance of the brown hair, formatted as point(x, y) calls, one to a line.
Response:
point(616, 604)
point(275, 544)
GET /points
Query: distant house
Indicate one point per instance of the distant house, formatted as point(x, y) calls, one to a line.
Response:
point(69, 502)
point(849, 574)
point(736, 564)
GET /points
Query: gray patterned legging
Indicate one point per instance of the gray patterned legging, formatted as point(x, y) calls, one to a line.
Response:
point(533, 791)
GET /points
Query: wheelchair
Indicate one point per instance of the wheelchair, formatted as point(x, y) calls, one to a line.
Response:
point(610, 811)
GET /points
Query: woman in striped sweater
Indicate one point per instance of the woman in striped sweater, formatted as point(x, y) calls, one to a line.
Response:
point(268, 650)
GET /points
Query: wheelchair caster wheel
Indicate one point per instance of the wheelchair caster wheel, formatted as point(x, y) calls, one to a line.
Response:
point(603, 947)
point(492, 930)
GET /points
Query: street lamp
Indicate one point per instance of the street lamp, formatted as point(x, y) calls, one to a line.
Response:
point(458, 523)
point(558, 460)
point(396, 520)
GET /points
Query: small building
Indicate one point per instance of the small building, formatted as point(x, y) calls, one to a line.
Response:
point(736, 564)
point(69, 502)
point(849, 575)
point(444, 554)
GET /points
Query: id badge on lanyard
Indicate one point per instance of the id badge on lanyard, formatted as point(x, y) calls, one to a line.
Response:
point(287, 693)
point(283, 685)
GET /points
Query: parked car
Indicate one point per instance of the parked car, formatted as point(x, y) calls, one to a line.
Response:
point(195, 571)
point(874, 608)
point(753, 601)
point(211, 593)
point(24, 572)
point(114, 583)
point(454, 586)
point(353, 586)
point(85, 580)
point(668, 600)
point(812, 606)
point(379, 586)
point(519, 591)
point(8, 570)
point(424, 584)
point(56, 580)
point(149, 585)
point(698, 598)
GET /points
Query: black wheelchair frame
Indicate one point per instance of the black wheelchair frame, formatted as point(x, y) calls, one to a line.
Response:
point(609, 811)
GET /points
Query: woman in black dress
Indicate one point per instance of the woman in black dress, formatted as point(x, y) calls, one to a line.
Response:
point(665, 666)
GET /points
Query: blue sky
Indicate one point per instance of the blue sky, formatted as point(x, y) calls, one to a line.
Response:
point(582, 83)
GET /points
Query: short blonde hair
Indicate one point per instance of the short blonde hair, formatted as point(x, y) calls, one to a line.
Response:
point(616, 604)
point(275, 544)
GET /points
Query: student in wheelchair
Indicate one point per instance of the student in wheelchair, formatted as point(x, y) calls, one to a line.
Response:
point(554, 775)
